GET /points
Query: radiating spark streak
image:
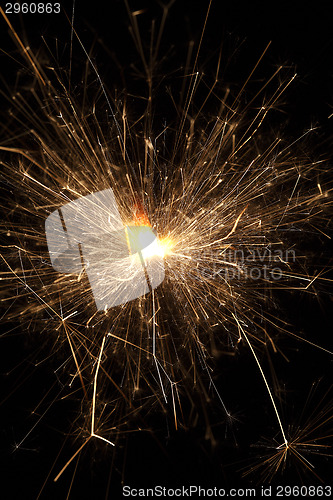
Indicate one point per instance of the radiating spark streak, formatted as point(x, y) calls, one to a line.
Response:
point(240, 180)
point(50, 356)
point(235, 225)
point(129, 343)
point(71, 459)
point(95, 388)
point(154, 346)
point(72, 479)
point(39, 420)
point(135, 32)
point(251, 73)
point(187, 108)
point(102, 87)
point(294, 142)
point(29, 288)
point(71, 45)
point(211, 89)
point(174, 405)
point(288, 332)
point(69, 316)
point(23, 153)
point(103, 439)
point(301, 457)
point(25, 281)
point(218, 153)
point(265, 380)
point(92, 433)
point(289, 201)
point(75, 360)
point(324, 234)
point(217, 393)
point(52, 467)
point(202, 33)
point(32, 178)
point(128, 401)
point(25, 50)
point(315, 278)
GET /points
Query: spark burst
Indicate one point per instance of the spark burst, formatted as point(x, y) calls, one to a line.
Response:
point(230, 206)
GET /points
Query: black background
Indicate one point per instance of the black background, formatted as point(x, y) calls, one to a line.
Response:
point(302, 37)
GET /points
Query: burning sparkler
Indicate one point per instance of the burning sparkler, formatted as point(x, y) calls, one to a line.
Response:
point(134, 245)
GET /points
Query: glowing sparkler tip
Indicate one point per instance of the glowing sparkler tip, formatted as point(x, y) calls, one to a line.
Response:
point(166, 246)
point(143, 239)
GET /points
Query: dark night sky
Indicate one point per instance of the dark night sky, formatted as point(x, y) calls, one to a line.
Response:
point(302, 38)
